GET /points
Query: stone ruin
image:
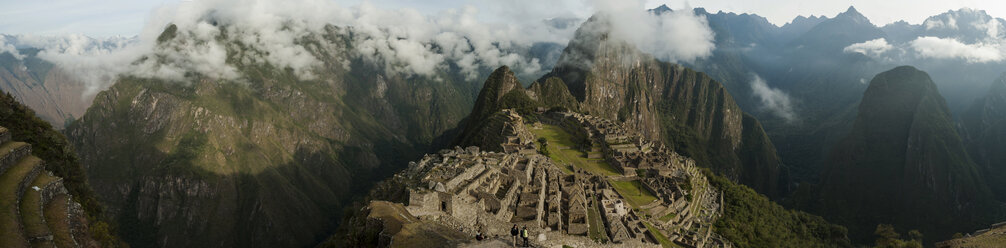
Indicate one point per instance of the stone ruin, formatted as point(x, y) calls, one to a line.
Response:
point(489, 192)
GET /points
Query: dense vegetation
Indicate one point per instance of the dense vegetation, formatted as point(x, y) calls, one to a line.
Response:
point(52, 146)
point(752, 220)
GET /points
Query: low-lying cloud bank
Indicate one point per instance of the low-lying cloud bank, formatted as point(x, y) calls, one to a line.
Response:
point(403, 41)
point(929, 47)
point(672, 36)
point(944, 48)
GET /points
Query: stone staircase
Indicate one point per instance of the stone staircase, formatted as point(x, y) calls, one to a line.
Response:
point(35, 209)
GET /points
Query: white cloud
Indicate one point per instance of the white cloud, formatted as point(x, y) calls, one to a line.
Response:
point(943, 48)
point(672, 36)
point(403, 41)
point(991, 28)
point(94, 61)
point(8, 47)
point(773, 100)
point(874, 47)
point(950, 23)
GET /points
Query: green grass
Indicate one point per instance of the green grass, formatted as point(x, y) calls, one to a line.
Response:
point(560, 138)
point(668, 217)
point(633, 192)
point(595, 228)
point(663, 240)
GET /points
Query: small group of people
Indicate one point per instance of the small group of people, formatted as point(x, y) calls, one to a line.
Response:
point(522, 233)
point(514, 233)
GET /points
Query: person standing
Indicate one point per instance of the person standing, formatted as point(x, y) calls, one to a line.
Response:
point(513, 233)
point(524, 234)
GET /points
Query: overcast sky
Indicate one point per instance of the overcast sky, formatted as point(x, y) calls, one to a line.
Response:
point(104, 18)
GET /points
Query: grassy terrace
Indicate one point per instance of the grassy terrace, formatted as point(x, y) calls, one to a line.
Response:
point(663, 240)
point(9, 221)
point(55, 215)
point(596, 227)
point(31, 207)
point(668, 217)
point(562, 149)
point(633, 192)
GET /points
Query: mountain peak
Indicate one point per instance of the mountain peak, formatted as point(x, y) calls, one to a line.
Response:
point(661, 9)
point(903, 78)
point(851, 9)
point(854, 15)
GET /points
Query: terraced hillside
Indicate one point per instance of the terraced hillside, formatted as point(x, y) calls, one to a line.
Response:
point(35, 209)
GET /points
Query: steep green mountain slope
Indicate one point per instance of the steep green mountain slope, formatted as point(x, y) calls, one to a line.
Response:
point(985, 135)
point(52, 147)
point(267, 161)
point(751, 220)
point(904, 164)
point(667, 102)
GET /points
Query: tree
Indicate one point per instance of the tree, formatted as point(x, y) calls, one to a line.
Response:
point(543, 149)
point(887, 237)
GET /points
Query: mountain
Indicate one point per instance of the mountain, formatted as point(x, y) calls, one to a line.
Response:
point(800, 25)
point(832, 35)
point(66, 177)
point(266, 161)
point(904, 164)
point(666, 102)
point(966, 25)
point(985, 134)
point(55, 94)
point(390, 215)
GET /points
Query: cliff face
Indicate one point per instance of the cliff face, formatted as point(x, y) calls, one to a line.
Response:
point(667, 102)
point(904, 164)
point(265, 162)
point(54, 95)
point(985, 135)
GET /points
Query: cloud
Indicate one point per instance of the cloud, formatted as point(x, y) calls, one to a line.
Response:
point(949, 23)
point(945, 48)
point(673, 36)
point(7, 47)
point(273, 32)
point(773, 100)
point(94, 61)
point(870, 48)
point(991, 27)
point(403, 41)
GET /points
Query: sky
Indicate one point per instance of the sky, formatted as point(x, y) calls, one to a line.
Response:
point(104, 18)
